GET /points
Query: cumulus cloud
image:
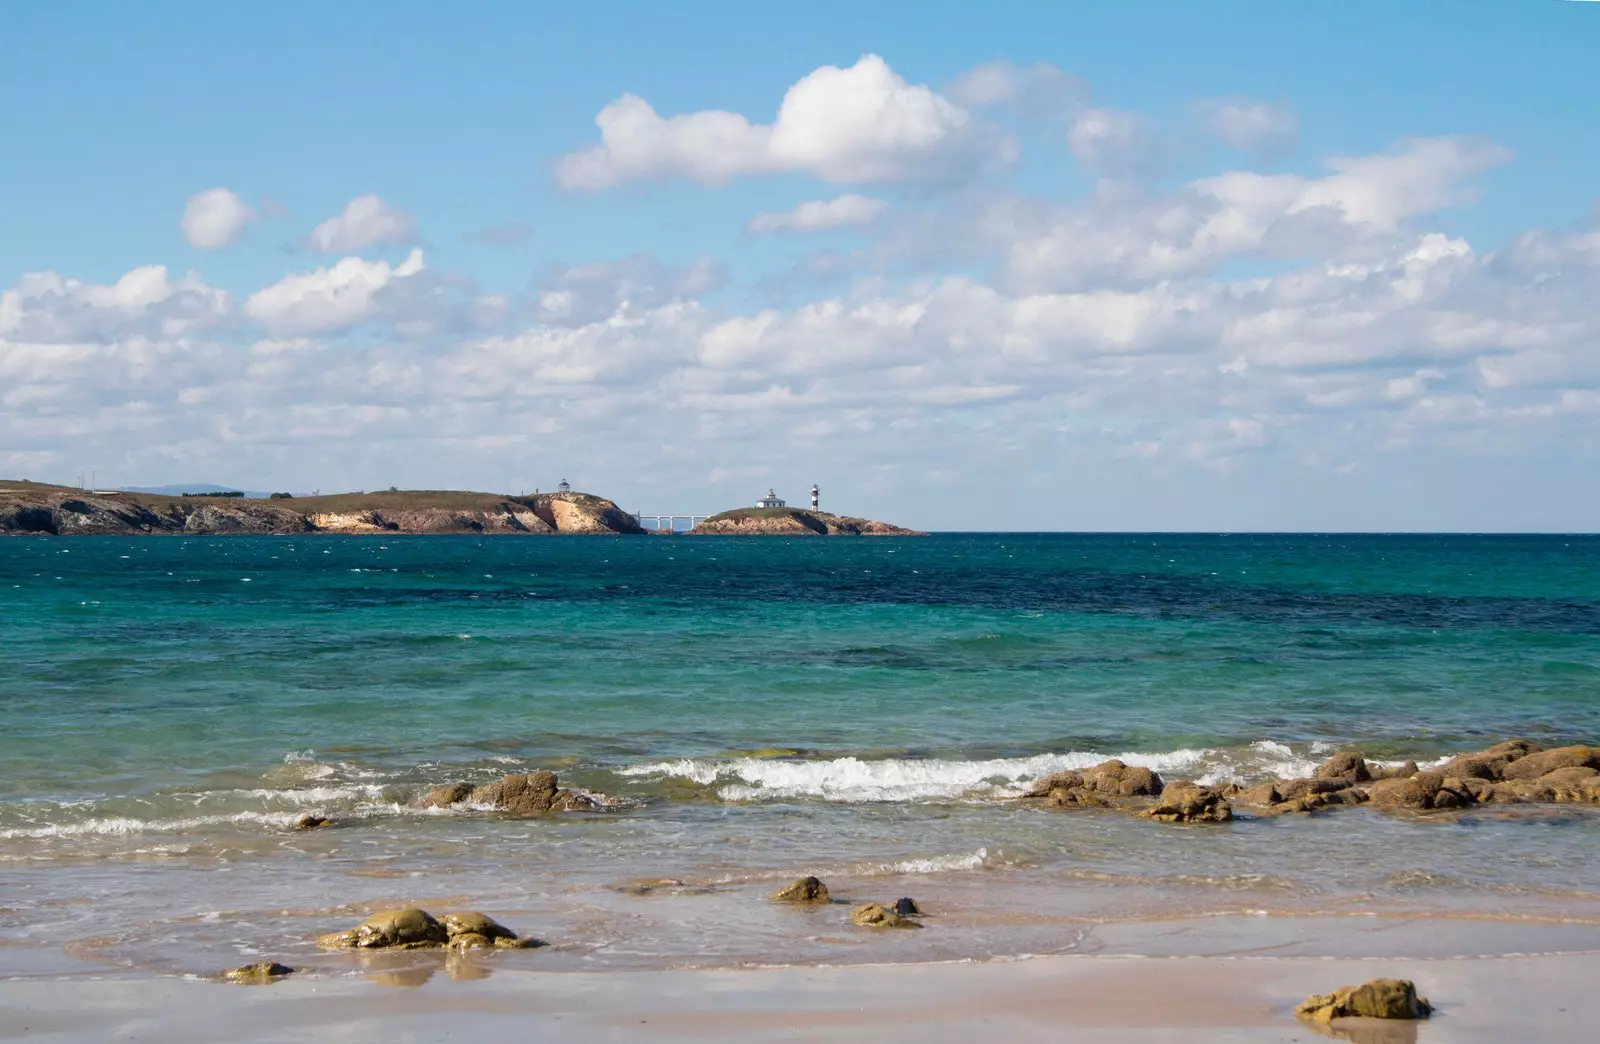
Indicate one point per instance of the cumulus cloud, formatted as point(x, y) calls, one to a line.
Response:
point(1245, 123)
point(820, 215)
point(45, 307)
point(1036, 90)
point(214, 218)
point(328, 300)
point(858, 124)
point(365, 221)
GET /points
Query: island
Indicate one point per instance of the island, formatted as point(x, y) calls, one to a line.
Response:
point(39, 508)
point(788, 521)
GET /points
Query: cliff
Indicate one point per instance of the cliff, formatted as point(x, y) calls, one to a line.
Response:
point(787, 521)
point(27, 507)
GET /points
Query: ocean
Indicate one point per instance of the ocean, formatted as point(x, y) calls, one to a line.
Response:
point(756, 709)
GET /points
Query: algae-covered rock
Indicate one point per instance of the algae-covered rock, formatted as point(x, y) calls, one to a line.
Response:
point(471, 930)
point(876, 915)
point(309, 821)
point(258, 974)
point(1378, 999)
point(803, 890)
point(446, 795)
point(406, 929)
point(1185, 802)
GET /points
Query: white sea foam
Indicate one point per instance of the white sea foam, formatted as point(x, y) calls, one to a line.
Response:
point(123, 826)
point(853, 780)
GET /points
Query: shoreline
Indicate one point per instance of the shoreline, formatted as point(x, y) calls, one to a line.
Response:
point(1066, 998)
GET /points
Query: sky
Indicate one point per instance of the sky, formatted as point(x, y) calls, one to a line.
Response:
point(1147, 266)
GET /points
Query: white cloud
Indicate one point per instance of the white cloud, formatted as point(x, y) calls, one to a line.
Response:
point(821, 214)
point(1112, 139)
point(214, 218)
point(45, 307)
point(365, 221)
point(859, 124)
point(1039, 90)
point(1251, 125)
point(329, 299)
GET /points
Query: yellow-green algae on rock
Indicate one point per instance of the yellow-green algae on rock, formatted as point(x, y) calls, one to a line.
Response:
point(803, 890)
point(414, 929)
point(1377, 999)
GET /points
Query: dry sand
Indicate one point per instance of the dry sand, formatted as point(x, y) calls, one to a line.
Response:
point(1123, 999)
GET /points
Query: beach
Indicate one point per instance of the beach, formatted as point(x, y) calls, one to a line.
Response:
point(220, 749)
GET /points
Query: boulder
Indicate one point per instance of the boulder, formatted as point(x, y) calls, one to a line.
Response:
point(1294, 789)
point(1078, 797)
point(1185, 802)
point(1425, 791)
point(1114, 779)
point(876, 915)
point(1068, 780)
point(471, 930)
point(1260, 794)
point(907, 907)
point(1378, 999)
point(1346, 765)
point(1532, 766)
point(530, 794)
point(258, 974)
point(803, 890)
point(407, 929)
point(446, 795)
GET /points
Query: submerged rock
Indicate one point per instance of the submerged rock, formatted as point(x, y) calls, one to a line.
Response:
point(471, 930)
point(876, 915)
point(406, 929)
point(309, 821)
point(1185, 802)
point(803, 890)
point(258, 974)
point(531, 794)
point(907, 907)
point(1378, 999)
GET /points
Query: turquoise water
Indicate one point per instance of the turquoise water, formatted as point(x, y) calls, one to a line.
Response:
point(756, 708)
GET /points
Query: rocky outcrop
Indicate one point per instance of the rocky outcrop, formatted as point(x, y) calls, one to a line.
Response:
point(1513, 772)
point(794, 522)
point(447, 795)
point(531, 794)
point(803, 890)
point(1092, 787)
point(415, 929)
point(32, 508)
point(1378, 999)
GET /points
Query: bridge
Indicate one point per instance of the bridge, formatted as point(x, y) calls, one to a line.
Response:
point(667, 523)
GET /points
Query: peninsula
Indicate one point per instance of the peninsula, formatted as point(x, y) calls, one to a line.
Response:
point(37, 508)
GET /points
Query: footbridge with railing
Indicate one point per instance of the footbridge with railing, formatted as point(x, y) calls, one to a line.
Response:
point(666, 522)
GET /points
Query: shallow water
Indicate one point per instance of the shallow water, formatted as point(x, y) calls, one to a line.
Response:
point(860, 709)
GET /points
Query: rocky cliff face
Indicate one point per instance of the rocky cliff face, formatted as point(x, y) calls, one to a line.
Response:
point(32, 508)
point(794, 522)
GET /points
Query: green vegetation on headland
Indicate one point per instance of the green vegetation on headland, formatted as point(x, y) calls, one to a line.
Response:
point(37, 508)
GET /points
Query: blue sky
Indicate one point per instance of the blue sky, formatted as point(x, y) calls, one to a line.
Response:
point(1123, 266)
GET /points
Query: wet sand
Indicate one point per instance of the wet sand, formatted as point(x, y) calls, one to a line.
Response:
point(1125, 999)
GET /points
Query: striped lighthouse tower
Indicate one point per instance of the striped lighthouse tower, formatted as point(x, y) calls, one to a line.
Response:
point(814, 496)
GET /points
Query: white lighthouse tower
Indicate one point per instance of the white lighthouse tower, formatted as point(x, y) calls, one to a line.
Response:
point(815, 496)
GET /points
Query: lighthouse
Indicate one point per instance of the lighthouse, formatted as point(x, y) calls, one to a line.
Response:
point(815, 496)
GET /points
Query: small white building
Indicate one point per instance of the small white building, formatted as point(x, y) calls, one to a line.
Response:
point(771, 500)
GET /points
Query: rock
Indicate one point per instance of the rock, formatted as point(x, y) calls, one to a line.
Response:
point(1346, 765)
point(406, 929)
point(308, 821)
point(258, 974)
point(1185, 802)
point(907, 907)
point(1378, 999)
point(472, 930)
point(446, 795)
point(1078, 797)
point(1068, 780)
point(530, 794)
point(1404, 770)
point(1294, 789)
point(876, 915)
point(1425, 791)
point(1532, 766)
point(1115, 779)
point(803, 890)
point(1260, 794)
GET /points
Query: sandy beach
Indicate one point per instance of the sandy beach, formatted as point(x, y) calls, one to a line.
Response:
point(1049, 998)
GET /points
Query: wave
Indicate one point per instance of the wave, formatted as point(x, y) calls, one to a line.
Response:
point(856, 780)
